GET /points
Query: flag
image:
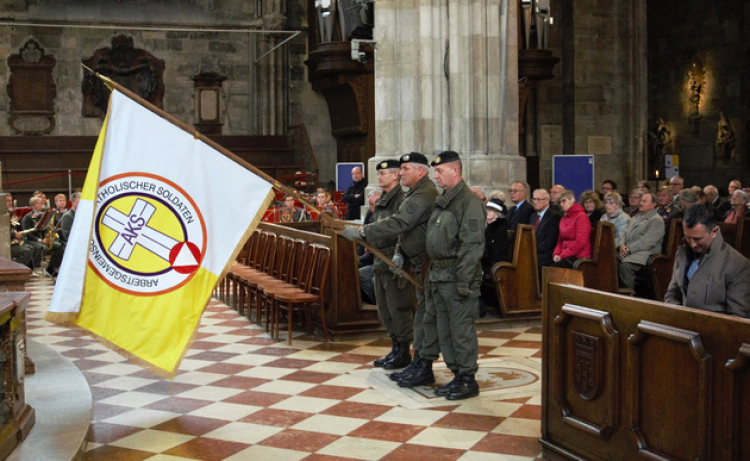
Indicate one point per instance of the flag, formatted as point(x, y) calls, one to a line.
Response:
point(161, 217)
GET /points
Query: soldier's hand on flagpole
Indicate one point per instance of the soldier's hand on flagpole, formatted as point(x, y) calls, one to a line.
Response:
point(398, 264)
point(350, 232)
point(463, 291)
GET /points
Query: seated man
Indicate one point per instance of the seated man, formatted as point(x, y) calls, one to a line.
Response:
point(708, 273)
point(641, 240)
point(19, 251)
point(38, 239)
point(66, 222)
point(61, 207)
point(289, 212)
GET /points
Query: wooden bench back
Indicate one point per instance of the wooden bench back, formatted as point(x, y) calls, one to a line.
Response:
point(660, 266)
point(626, 379)
point(517, 283)
point(600, 271)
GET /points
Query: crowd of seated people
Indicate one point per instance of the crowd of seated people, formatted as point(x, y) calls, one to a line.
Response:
point(640, 229)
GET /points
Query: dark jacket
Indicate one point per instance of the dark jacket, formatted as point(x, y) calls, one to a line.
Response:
point(409, 223)
point(455, 238)
point(385, 207)
point(546, 236)
point(496, 244)
point(353, 203)
point(519, 215)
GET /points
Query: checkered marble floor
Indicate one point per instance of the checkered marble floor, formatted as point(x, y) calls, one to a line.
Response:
point(241, 395)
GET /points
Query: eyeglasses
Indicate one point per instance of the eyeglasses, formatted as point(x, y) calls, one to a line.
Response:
point(535, 199)
point(517, 190)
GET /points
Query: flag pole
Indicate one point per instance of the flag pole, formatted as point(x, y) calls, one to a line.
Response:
point(334, 223)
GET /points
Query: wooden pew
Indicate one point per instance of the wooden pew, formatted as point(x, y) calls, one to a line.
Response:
point(660, 266)
point(517, 282)
point(600, 271)
point(626, 379)
point(743, 239)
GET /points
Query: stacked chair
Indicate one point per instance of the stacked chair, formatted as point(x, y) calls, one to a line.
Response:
point(274, 273)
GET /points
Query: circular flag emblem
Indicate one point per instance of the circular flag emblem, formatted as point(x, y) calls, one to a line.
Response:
point(149, 236)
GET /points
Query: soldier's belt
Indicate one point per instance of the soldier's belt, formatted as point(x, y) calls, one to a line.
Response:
point(443, 263)
point(417, 261)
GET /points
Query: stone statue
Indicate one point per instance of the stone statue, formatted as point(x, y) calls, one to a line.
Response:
point(657, 139)
point(724, 136)
point(326, 19)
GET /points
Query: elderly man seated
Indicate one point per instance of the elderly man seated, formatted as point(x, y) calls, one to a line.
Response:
point(641, 240)
point(708, 273)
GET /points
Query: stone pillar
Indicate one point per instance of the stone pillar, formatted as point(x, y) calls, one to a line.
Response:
point(446, 78)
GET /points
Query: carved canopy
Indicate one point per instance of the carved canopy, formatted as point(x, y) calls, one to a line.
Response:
point(135, 69)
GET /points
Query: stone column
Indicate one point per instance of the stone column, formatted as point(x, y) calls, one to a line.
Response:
point(446, 78)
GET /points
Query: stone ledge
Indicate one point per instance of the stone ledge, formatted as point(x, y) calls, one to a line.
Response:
point(61, 397)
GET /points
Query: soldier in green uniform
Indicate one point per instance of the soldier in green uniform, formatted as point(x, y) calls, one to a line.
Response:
point(394, 298)
point(410, 222)
point(455, 244)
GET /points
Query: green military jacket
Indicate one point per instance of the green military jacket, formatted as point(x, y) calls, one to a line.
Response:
point(409, 223)
point(385, 207)
point(455, 238)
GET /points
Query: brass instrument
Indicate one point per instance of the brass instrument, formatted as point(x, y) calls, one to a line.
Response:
point(51, 235)
point(16, 241)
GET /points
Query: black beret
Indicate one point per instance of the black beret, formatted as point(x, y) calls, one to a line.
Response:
point(445, 157)
point(413, 157)
point(387, 164)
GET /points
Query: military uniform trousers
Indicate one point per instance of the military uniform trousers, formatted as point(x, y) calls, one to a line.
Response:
point(449, 327)
point(419, 313)
point(395, 305)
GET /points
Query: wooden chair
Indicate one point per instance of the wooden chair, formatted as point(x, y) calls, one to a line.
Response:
point(600, 271)
point(517, 282)
point(283, 261)
point(303, 264)
point(660, 266)
point(314, 295)
point(226, 286)
point(263, 265)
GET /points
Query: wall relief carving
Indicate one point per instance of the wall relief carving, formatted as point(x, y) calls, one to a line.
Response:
point(31, 90)
point(134, 68)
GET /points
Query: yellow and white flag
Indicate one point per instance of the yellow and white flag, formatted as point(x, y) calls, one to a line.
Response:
point(160, 219)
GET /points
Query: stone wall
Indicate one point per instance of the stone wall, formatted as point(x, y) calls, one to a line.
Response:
point(596, 97)
point(252, 105)
point(713, 36)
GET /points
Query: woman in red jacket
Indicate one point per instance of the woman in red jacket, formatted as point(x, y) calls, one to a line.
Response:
point(573, 241)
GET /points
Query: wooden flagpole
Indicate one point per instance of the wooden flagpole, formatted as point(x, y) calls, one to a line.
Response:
point(334, 223)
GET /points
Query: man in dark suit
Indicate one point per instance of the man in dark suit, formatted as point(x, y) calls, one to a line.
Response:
point(717, 204)
point(547, 225)
point(522, 210)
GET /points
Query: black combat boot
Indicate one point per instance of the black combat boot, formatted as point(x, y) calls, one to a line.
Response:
point(422, 376)
point(401, 359)
point(467, 387)
point(394, 350)
point(399, 375)
point(450, 387)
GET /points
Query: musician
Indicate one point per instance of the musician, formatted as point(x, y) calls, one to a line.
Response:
point(325, 205)
point(289, 212)
point(61, 206)
point(19, 252)
point(40, 194)
point(66, 222)
point(38, 240)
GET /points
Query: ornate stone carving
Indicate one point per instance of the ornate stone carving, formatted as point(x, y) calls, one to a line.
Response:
point(696, 80)
point(31, 90)
point(135, 69)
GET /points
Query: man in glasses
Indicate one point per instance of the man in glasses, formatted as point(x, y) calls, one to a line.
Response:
point(708, 273)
